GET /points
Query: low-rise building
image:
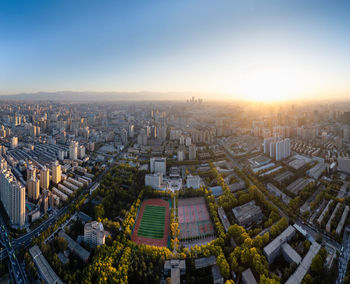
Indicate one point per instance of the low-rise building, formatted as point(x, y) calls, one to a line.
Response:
point(274, 248)
point(193, 181)
point(248, 277)
point(247, 213)
point(45, 270)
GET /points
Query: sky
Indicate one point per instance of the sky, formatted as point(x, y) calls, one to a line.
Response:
point(259, 50)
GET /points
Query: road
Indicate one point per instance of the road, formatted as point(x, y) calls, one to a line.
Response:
point(15, 267)
point(344, 257)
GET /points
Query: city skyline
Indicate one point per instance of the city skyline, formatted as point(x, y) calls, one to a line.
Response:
point(251, 50)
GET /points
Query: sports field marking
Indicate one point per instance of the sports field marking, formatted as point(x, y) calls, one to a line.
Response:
point(152, 222)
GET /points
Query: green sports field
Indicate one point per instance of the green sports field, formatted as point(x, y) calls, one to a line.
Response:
point(152, 222)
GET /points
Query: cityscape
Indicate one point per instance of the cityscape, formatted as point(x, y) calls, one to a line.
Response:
point(175, 142)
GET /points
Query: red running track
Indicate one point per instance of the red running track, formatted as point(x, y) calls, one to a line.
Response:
point(149, 241)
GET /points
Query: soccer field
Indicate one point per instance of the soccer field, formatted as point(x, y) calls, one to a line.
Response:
point(152, 222)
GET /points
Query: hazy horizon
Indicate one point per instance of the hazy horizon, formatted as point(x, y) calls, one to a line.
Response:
point(251, 50)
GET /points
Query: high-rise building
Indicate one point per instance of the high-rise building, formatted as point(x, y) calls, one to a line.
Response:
point(154, 180)
point(188, 141)
point(56, 173)
point(180, 155)
point(13, 197)
point(31, 172)
point(267, 143)
point(277, 148)
point(73, 150)
point(280, 150)
point(14, 142)
point(192, 152)
point(81, 152)
point(44, 178)
point(158, 165)
point(131, 130)
point(347, 134)
point(33, 186)
point(94, 234)
point(344, 165)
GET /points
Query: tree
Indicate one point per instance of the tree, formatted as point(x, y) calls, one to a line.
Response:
point(317, 264)
point(61, 243)
point(307, 279)
point(99, 210)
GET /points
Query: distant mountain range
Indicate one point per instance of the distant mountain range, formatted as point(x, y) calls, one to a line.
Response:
point(94, 96)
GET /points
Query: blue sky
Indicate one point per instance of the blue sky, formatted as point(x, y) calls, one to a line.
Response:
point(202, 46)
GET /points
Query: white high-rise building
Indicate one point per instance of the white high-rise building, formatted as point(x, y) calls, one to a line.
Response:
point(73, 150)
point(279, 150)
point(56, 173)
point(267, 143)
point(188, 141)
point(180, 155)
point(286, 148)
point(158, 165)
point(13, 198)
point(94, 234)
point(154, 180)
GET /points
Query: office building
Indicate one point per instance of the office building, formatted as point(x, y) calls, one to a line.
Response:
point(94, 234)
point(13, 196)
point(44, 178)
point(56, 173)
